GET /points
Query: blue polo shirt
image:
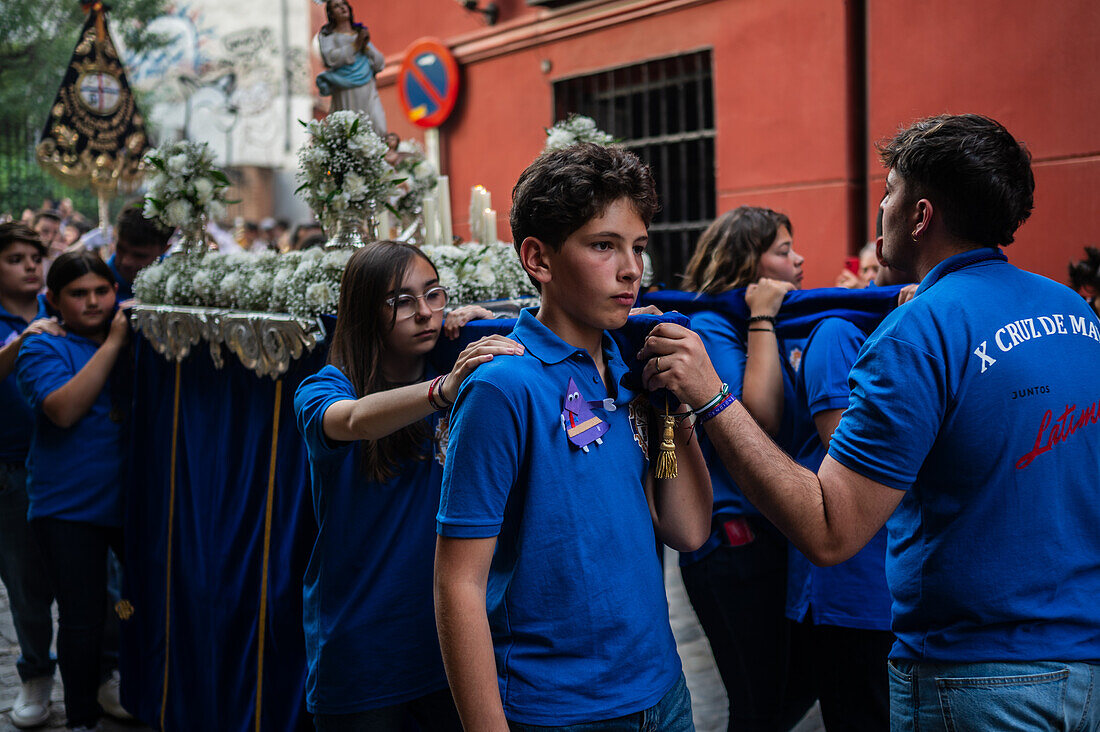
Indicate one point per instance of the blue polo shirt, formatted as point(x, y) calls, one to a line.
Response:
point(75, 472)
point(852, 594)
point(125, 287)
point(367, 596)
point(726, 345)
point(980, 399)
point(18, 421)
point(575, 596)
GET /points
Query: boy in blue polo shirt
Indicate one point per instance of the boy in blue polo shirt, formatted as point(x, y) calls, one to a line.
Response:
point(549, 594)
point(22, 314)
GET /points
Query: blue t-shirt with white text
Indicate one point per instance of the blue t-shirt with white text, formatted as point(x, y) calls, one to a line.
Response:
point(980, 400)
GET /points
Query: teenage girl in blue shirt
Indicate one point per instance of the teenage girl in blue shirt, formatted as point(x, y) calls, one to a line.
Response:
point(75, 463)
point(737, 582)
point(375, 426)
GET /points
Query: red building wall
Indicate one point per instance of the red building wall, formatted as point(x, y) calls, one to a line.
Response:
point(792, 130)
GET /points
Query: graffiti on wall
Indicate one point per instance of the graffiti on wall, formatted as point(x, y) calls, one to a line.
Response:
point(226, 88)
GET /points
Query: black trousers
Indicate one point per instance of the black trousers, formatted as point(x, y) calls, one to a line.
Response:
point(739, 594)
point(850, 677)
point(76, 557)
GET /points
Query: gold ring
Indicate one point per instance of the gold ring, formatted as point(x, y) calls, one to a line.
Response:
point(657, 364)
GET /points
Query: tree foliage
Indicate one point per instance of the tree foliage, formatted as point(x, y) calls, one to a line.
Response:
point(37, 38)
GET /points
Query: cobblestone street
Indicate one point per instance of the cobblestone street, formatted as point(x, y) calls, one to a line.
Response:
point(707, 695)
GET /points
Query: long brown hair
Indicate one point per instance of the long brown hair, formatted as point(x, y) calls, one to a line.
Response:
point(330, 26)
point(728, 253)
point(358, 341)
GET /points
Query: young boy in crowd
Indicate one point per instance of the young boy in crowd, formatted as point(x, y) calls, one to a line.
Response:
point(550, 600)
point(22, 314)
point(139, 243)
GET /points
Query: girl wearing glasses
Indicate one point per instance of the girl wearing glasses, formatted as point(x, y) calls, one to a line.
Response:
point(375, 426)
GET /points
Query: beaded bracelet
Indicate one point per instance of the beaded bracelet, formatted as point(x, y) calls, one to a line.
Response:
point(714, 400)
point(762, 319)
point(717, 410)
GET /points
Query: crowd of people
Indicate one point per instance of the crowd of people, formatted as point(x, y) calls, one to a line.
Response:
point(868, 519)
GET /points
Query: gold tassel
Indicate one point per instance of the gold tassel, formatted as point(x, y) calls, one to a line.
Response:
point(666, 455)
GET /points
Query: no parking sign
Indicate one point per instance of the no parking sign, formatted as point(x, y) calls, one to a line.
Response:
point(427, 82)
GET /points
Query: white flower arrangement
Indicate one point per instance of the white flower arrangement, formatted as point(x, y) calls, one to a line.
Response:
point(576, 129)
point(479, 272)
point(186, 186)
point(343, 167)
point(307, 283)
point(420, 179)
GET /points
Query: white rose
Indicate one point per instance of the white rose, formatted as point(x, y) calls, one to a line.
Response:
point(558, 139)
point(178, 212)
point(177, 164)
point(204, 190)
point(484, 274)
point(355, 186)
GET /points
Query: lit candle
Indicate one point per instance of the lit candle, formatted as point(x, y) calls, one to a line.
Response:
point(477, 206)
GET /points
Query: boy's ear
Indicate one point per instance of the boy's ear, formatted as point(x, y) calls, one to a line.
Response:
point(534, 256)
point(51, 300)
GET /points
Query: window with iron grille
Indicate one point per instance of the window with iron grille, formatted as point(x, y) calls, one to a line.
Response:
point(663, 110)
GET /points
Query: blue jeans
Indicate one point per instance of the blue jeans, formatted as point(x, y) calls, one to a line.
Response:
point(23, 571)
point(671, 714)
point(433, 712)
point(965, 697)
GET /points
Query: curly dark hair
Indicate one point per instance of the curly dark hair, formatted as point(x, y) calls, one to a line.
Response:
point(1086, 273)
point(563, 190)
point(972, 169)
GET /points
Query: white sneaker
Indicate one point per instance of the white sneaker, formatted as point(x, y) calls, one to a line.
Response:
point(32, 706)
point(108, 697)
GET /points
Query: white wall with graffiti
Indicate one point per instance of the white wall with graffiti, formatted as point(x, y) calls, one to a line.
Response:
point(235, 75)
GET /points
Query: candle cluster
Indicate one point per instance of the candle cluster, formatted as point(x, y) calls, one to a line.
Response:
point(483, 219)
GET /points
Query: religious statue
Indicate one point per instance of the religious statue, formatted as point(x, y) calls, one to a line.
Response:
point(351, 61)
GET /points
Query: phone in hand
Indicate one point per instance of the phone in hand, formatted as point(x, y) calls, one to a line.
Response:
point(852, 264)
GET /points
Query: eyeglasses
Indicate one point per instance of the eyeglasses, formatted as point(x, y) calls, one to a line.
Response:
point(405, 305)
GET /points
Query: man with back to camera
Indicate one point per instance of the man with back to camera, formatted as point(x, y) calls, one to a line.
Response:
point(974, 413)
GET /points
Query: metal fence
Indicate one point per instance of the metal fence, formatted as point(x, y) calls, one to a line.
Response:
point(663, 110)
point(24, 184)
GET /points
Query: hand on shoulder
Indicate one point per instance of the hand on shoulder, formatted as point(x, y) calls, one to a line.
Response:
point(477, 353)
point(48, 326)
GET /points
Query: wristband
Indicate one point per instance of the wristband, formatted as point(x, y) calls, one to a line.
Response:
point(713, 401)
point(762, 319)
point(439, 392)
point(717, 410)
point(431, 394)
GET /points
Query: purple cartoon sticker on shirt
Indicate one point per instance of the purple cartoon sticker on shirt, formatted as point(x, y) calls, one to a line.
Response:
point(580, 424)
